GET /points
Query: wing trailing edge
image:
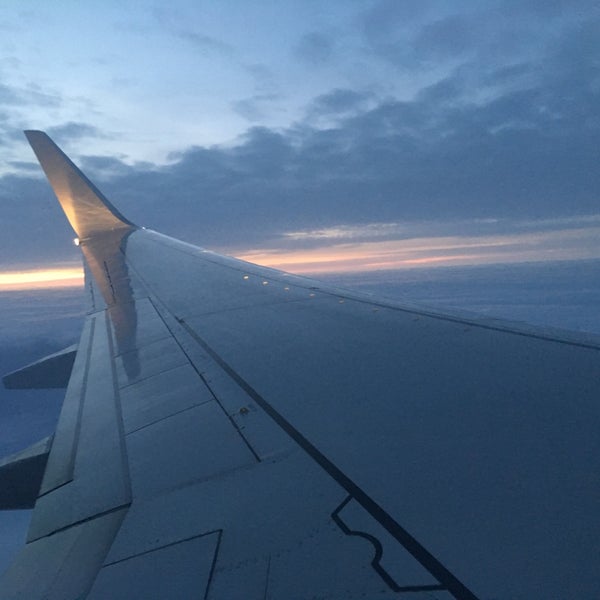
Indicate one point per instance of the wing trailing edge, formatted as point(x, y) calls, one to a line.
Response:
point(21, 476)
point(52, 371)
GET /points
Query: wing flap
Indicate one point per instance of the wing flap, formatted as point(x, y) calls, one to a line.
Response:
point(64, 565)
point(87, 472)
point(52, 371)
point(21, 476)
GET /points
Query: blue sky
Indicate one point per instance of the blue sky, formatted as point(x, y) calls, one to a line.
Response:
point(307, 134)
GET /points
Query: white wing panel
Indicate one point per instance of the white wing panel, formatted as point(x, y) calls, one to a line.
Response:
point(475, 437)
point(235, 432)
point(192, 445)
point(100, 476)
point(180, 571)
point(161, 396)
point(64, 565)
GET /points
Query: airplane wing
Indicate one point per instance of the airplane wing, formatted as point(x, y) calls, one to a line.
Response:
point(234, 432)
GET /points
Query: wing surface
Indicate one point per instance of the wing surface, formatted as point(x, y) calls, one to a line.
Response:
point(231, 431)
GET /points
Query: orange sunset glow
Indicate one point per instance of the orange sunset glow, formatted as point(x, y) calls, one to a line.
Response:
point(43, 278)
point(440, 251)
point(435, 251)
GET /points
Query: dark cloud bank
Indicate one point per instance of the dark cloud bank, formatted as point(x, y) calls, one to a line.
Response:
point(504, 135)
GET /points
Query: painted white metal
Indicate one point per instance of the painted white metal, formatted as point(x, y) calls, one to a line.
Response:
point(180, 571)
point(189, 446)
point(100, 480)
point(52, 371)
point(475, 435)
point(61, 566)
point(59, 469)
point(21, 475)
point(290, 440)
point(161, 396)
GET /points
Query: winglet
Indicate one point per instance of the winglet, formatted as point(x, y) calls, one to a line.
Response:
point(88, 211)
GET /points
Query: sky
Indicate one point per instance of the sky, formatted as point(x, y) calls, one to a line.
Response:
point(318, 137)
point(311, 136)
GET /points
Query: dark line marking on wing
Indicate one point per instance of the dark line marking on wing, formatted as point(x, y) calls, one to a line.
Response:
point(267, 578)
point(118, 407)
point(174, 414)
point(82, 392)
point(203, 379)
point(450, 583)
point(108, 278)
point(214, 562)
point(151, 550)
point(114, 509)
point(376, 562)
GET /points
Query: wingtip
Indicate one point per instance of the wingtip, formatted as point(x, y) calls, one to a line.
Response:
point(33, 133)
point(86, 208)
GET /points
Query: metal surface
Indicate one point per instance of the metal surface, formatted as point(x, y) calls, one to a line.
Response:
point(21, 476)
point(59, 469)
point(466, 431)
point(51, 371)
point(260, 435)
point(100, 480)
point(62, 566)
point(180, 571)
point(88, 211)
point(161, 396)
point(189, 446)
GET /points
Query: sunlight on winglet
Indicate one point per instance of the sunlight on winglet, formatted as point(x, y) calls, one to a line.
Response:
point(89, 212)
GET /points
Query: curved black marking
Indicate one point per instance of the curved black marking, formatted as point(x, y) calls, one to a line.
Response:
point(376, 562)
point(448, 580)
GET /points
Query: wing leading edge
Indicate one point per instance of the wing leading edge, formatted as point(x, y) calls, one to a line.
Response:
point(247, 433)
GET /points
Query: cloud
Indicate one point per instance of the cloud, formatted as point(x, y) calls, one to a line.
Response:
point(108, 167)
point(426, 37)
point(338, 102)
point(348, 232)
point(33, 325)
point(17, 96)
point(71, 131)
point(483, 143)
point(314, 48)
point(262, 75)
point(447, 38)
point(254, 108)
point(396, 162)
point(386, 17)
point(204, 43)
point(8, 95)
point(409, 252)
